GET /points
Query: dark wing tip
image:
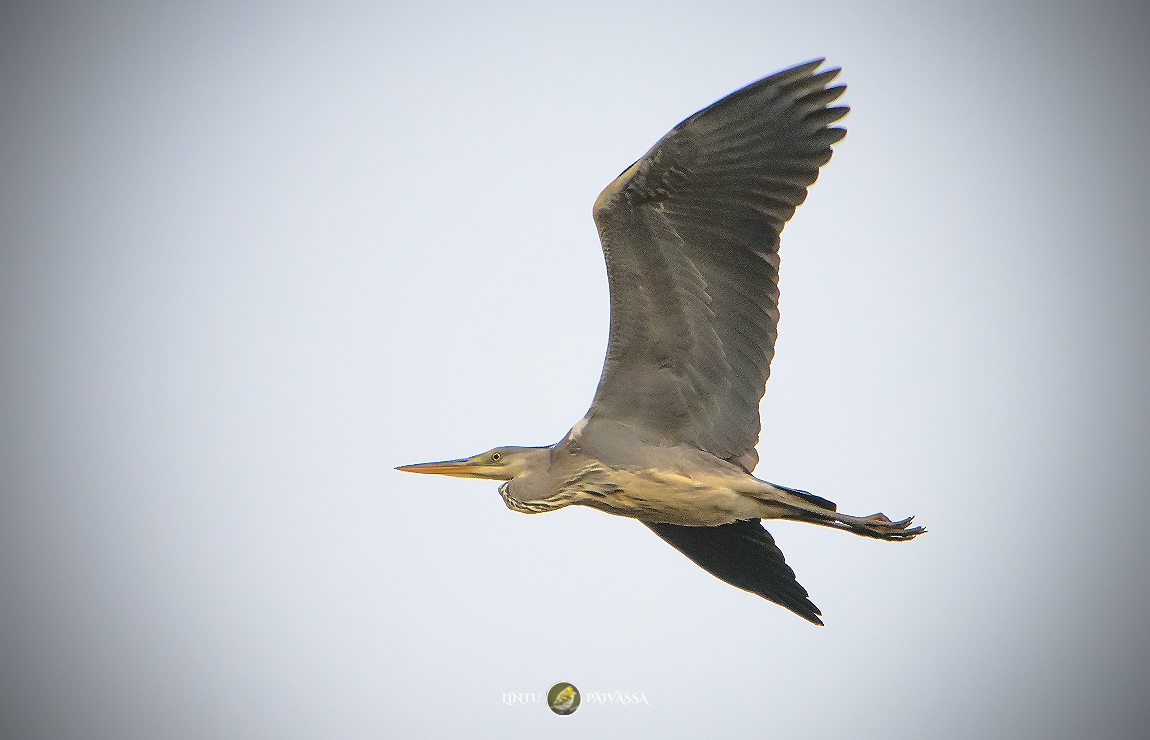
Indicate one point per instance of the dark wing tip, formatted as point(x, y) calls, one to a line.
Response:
point(801, 80)
point(802, 69)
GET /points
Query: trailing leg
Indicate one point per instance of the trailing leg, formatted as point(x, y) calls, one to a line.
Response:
point(800, 506)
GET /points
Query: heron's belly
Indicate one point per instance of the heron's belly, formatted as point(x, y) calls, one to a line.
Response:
point(657, 496)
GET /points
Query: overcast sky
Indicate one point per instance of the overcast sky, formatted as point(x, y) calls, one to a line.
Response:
point(254, 256)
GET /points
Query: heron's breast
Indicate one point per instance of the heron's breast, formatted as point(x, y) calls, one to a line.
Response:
point(661, 496)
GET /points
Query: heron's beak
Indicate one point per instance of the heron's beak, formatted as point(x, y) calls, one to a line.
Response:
point(466, 468)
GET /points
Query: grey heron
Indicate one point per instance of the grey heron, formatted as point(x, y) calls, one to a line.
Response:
point(690, 233)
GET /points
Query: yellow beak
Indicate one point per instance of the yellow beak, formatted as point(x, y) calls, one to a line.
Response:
point(466, 468)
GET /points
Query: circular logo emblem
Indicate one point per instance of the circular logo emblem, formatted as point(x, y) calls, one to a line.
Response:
point(563, 698)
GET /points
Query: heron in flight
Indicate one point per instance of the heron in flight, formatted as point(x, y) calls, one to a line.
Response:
point(690, 233)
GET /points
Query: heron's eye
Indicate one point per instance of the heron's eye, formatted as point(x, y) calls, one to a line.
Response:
point(495, 456)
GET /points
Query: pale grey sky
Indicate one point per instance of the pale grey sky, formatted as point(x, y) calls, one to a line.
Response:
point(253, 256)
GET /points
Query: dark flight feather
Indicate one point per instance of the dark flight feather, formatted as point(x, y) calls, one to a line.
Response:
point(744, 555)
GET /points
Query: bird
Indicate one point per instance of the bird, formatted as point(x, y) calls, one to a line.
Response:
point(564, 701)
point(690, 234)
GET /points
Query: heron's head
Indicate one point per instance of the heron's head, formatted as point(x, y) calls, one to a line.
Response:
point(501, 463)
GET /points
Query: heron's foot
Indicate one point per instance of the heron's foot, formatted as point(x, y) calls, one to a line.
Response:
point(881, 527)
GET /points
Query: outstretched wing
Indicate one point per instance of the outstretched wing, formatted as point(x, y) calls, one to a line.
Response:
point(690, 234)
point(744, 555)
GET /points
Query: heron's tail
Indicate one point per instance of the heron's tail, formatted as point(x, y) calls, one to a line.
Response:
point(810, 498)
